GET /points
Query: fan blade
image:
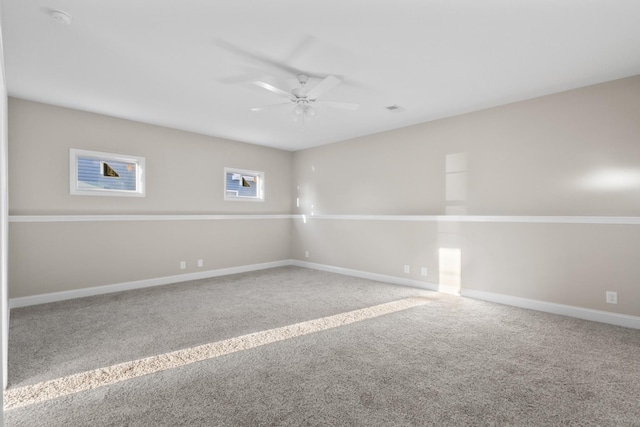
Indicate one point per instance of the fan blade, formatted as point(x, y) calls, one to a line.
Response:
point(272, 63)
point(340, 104)
point(270, 107)
point(273, 89)
point(304, 47)
point(247, 74)
point(328, 83)
point(256, 57)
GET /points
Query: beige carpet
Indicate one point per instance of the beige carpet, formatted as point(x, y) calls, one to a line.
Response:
point(441, 360)
point(52, 389)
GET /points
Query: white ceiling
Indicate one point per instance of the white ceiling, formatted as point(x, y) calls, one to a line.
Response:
point(190, 64)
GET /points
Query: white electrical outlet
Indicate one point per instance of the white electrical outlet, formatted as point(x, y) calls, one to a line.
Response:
point(407, 269)
point(424, 271)
point(612, 297)
point(200, 263)
point(183, 265)
point(306, 254)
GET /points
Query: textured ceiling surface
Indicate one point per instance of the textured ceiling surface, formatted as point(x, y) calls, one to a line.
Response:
point(191, 64)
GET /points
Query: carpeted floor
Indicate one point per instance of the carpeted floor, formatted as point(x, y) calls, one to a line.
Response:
point(443, 361)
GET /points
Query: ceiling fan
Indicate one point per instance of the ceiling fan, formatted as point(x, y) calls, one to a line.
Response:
point(303, 98)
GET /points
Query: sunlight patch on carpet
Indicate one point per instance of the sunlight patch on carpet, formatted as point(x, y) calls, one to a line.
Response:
point(76, 383)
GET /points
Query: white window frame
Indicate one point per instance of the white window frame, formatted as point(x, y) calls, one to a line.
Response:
point(260, 188)
point(74, 188)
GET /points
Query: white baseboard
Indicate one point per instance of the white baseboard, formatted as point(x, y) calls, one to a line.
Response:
point(366, 275)
point(548, 307)
point(561, 309)
point(138, 284)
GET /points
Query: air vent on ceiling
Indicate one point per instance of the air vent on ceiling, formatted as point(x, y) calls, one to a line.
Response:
point(395, 108)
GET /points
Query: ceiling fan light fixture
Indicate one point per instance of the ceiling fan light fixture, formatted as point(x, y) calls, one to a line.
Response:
point(310, 112)
point(304, 109)
point(304, 99)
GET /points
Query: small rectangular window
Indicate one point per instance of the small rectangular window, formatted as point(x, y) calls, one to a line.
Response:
point(240, 184)
point(93, 173)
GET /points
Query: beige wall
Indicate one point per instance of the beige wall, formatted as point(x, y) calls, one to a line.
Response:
point(184, 170)
point(184, 177)
point(537, 157)
point(571, 154)
point(64, 256)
